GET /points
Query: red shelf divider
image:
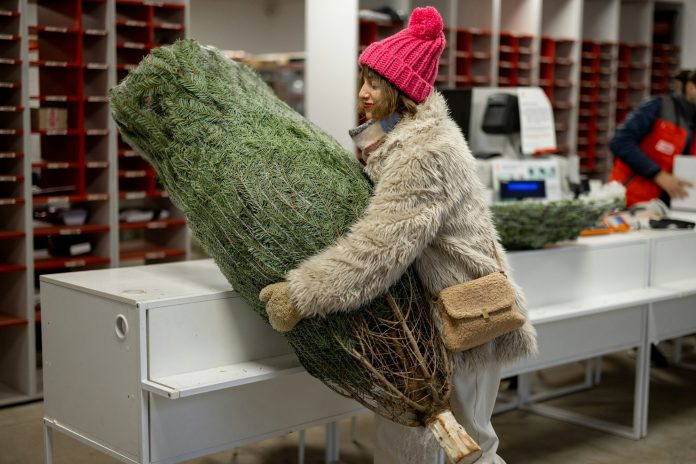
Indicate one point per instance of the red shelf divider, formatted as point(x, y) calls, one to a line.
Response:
point(55, 263)
point(70, 230)
point(8, 267)
point(156, 224)
point(150, 252)
point(9, 234)
point(7, 320)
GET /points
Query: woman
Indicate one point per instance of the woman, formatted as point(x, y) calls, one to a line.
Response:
point(428, 210)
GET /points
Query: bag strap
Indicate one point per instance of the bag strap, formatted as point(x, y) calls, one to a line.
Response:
point(669, 110)
point(436, 298)
point(497, 259)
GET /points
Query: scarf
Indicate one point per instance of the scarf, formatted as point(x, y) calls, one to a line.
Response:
point(370, 135)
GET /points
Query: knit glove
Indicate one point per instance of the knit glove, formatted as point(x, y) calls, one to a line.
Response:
point(282, 313)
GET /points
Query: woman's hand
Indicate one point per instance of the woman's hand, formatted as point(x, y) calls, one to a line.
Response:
point(282, 313)
point(674, 186)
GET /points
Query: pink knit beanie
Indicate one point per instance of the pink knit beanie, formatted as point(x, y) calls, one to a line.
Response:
point(409, 59)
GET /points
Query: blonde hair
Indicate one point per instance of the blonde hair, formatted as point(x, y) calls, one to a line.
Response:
point(393, 99)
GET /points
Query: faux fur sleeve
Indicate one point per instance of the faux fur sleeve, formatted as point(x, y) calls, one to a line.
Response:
point(402, 218)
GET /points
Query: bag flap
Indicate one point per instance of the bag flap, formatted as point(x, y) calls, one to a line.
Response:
point(471, 299)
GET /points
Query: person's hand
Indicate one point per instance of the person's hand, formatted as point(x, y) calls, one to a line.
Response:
point(674, 186)
point(282, 313)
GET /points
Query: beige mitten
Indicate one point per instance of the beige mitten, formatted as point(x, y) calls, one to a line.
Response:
point(282, 313)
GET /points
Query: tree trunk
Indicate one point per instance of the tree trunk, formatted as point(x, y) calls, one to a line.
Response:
point(458, 446)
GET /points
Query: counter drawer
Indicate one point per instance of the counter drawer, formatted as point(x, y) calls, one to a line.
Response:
point(218, 420)
point(583, 337)
point(195, 336)
point(673, 318)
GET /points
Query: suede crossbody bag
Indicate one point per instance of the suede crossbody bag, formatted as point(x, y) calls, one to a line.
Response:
point(478, 311)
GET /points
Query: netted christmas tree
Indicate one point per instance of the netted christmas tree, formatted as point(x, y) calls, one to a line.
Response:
point(263, 189)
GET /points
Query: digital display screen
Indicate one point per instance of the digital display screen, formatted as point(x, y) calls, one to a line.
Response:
point(520, 189)
point(523, 186)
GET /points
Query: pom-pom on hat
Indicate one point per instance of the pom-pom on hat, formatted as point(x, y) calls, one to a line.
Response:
point(409, 59)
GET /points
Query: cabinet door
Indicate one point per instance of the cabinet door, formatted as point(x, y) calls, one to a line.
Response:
point(91, 370)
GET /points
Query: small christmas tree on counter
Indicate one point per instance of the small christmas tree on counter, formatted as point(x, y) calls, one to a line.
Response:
point(528, 225)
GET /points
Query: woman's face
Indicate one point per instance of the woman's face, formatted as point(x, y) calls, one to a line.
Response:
point(369, 95)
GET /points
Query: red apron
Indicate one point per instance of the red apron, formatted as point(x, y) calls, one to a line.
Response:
point(665, 140)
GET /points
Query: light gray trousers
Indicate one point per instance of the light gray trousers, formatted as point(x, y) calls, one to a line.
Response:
point(472, 401)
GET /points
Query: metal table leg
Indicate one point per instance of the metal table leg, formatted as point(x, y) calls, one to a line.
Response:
point(332, 445)
point(301, 448)
point(48, 443)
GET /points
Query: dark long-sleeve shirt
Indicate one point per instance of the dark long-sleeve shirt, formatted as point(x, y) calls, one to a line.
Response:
point(626, 141)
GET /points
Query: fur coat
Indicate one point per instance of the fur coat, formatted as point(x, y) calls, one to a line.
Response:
point(427, 209)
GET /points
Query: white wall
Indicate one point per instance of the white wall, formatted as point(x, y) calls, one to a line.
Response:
point(688, 35)
point(561, 18)
point(601, 20)
point(634, 17)
point(256, 26)
point(332, 66)
point(481, 14)
point(520, 16)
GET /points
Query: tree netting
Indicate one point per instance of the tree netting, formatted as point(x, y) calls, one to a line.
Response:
point(263, 189)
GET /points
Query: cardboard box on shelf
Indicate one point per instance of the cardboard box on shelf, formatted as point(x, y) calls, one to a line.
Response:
point(49, 118)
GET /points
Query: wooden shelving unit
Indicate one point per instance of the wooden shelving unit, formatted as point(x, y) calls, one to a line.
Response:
point(141, 26)
point(284, 73)
point(70, 162)
point(666, 53)
point(63, 179)
point(17, 375)
point(515, 60)
point(665, 63)
point(596, 102)
point(372, 31)
point(69, 157)
point(634, 56)
point(473, 54)
point(598, 84)
point(632, 85)
point(590, 86)
point(559, 67)
point(557, 78)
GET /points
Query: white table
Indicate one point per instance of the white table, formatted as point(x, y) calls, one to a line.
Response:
point(158, 364)
point(587, 299)
point(674, 267)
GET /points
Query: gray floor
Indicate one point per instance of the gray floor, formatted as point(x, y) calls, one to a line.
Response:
point(525, 437)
